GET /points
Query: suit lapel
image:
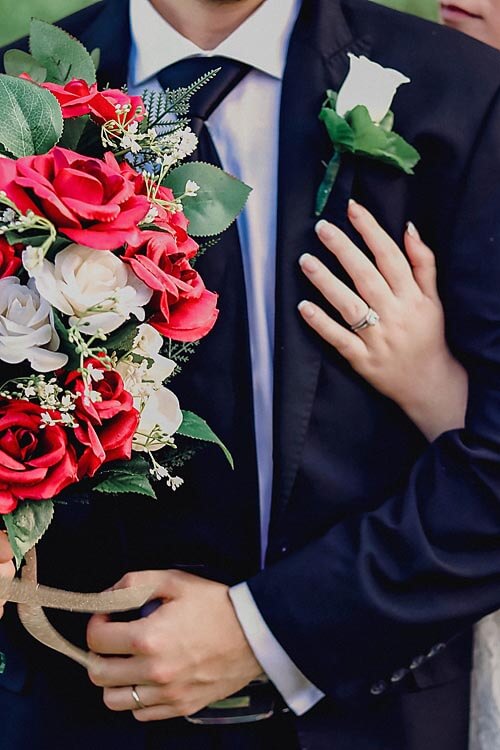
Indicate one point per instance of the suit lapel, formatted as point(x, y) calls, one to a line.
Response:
point(110, 32)
point(317, 60)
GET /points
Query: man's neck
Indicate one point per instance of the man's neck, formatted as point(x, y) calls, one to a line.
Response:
point(206, 22)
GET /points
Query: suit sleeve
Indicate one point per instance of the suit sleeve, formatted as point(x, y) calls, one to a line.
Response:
point(355, 606)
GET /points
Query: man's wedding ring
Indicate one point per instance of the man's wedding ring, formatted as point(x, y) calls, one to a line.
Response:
point(137, 700)
point(367, 321)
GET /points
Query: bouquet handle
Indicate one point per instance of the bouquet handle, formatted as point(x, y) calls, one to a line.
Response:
point(31, 597)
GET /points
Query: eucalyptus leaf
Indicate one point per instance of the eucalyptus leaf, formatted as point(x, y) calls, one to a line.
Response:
point(31, 121)
point(16, 62)
point(27, 524)
point(196, 428)
point(62, 55)
point(219, 201)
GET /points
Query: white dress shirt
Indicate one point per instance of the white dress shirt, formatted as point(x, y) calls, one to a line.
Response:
point(245, 131)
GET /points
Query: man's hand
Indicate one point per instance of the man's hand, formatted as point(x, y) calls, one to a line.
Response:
point(190, 652)
point(7, 568)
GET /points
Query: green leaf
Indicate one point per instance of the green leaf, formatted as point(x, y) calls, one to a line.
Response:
point(339, 130)
point(16, 61)
point(66, 346)
point(120, 483)
point(62, 55)
point(27, 524)
point(31, 121)
point(124, 477)
point(196, 428)
point(374, 142)
point(73, 131)
point(388, 122)
point(328, 183)
point(219, 201)
point(136, 465)
point(123, 339)
point(96, 57)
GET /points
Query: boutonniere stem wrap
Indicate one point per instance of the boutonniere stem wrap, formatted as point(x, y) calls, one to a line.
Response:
point(359, 121)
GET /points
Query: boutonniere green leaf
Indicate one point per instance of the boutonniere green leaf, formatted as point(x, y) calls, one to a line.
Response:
point(359, 121)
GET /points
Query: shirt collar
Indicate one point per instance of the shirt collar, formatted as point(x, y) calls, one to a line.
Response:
point(261, 41)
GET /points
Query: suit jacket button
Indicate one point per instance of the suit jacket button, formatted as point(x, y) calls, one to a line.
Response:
point(378, 688)
point(417, 662)
point(399, 675)
point(284, 549)
point(436, 649)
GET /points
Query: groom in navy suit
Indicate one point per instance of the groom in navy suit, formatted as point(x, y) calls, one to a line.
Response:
point(346, 557)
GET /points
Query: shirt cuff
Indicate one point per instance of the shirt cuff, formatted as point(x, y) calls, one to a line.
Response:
point(298, 692)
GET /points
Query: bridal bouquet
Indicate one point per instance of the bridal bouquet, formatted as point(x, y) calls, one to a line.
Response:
point(100, 299)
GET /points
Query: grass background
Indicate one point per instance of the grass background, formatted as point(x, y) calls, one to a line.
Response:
point(15, 14)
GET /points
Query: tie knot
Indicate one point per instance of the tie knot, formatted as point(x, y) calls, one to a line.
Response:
point(205, 101)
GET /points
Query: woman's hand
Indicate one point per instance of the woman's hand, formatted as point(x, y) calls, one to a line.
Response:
point(7, 568)
point(404, 353)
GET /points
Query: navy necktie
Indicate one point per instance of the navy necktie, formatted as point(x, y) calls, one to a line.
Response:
point(217, 382)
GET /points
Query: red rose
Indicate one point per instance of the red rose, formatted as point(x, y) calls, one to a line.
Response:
point(36, 462)
point(87, 199)
point(107, 424)
point(103, 106)
point(184, 309)
point(8, 184)
point(10, 260)
point(75, 97)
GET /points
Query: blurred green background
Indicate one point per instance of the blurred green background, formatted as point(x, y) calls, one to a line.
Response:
point(14, 23)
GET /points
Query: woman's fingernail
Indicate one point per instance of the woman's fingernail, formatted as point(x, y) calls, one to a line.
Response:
point(412, 230)
point(308, 262)
point(322, 225)
point(353, 208)
point(306, 309)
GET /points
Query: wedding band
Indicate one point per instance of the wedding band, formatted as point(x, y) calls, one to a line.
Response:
point(367, 321)
point(137, 700)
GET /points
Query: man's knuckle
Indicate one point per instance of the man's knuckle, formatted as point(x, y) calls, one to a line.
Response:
point(143, 642)
point(159, 673)
point(110, 699)
point(140, 716)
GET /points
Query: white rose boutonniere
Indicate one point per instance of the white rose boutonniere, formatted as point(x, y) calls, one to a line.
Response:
point(359, 120)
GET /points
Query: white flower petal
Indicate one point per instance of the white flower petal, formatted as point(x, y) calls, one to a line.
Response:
point(162, 409)
point(43, 360)
point(371, 85)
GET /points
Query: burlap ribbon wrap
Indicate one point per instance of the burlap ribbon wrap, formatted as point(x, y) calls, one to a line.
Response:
point(31, 597)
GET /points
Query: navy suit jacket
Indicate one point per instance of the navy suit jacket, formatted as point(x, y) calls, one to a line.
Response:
point(384, 549)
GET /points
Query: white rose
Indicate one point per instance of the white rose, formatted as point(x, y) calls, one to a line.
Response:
point(94, 287)
point(371, 85)
point(161, 417)
point(141, 378)
point(27, 327)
